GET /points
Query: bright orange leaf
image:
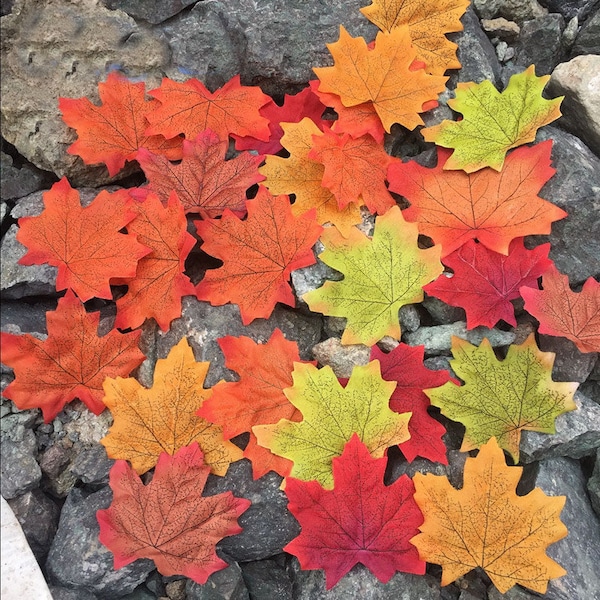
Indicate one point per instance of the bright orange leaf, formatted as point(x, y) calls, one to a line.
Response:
point(114, 132)
point(84, 243)
point(72, 362)
point(259, 255)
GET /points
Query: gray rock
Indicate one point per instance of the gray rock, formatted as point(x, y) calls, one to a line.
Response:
point(453, 470)
point(569, 363)
point(92, 465)
point(588, 40)
point(19, 469)
point(513, 10)
point(268, 578)
point(438, 339)
point(442, 313)
point(571, 8)
point(227, 584)
point(61, 593)
point(515, 593)
point(18, 182)
point(342, 359)
point(540, 43)
point(78, 560)
point(569, 34)
point(54, 48)
point(410, 320)
point(54, 462)
point(501, 28)
point(593, 485)
point(27, 317)
point(153, 11)
point(579, 82)
point(267, 525)
point(140, 593)
point(579, 552)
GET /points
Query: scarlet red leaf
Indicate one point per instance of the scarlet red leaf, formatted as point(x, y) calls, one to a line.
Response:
point(168, 520)
point(359, 520)
point(71, 363)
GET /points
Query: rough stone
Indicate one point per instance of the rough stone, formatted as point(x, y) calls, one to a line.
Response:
point(19, 469)
point(267, 525)
point(579, 552)
point(84, 426)
point(569, 363)
point(593, 485)
point(342, 359)
point(58, 48)
point(540, 43)
point(176, 589)
point(569, 34)
point(62, 593)
point(91, 466)
point(18, 182)
point(58, 478)
point(453, 470)
point(512, 10)
point(78, 560)
point(153, 11)
point(501, 28)
point(442, 313)
point(579, 81)
point(27, 317)
point(227, 584)
point(268, 579)
point(571, 8)
point(588, 39)
point(515, 593)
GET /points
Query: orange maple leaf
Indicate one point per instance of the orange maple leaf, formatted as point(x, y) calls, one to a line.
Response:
point(382, 76)
point(452, 206)
point(190, 108)
point(565, 313)
point(159, 283)
point(113, 132)
point(72, 362)
point(84, 243)
point(258, 255)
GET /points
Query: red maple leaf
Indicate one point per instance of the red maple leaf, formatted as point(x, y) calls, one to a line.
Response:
point(84, 243)
point(484, 281)
point(359, 520)
point(168, 520)
point(205, 182)
point(258, 255)
point(404, 365)
point(72, 362)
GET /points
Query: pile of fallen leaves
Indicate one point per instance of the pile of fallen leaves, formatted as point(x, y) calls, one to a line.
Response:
point(297, 178)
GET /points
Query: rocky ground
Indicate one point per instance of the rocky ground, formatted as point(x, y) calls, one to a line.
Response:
point(55, 475)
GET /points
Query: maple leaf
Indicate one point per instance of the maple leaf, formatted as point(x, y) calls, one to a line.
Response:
point(114, 132)
point(564, 313)
point(484, 282)
point(355, 169)
point(168, 520)
point(159, 283)
point(258, 255)
point(502, 398)
point(190, 108)
point(205, 182)
point(381, 76)
point(331, 414)
point(303, 177)
point(70, 363)
point(485, 524)
point(380, 275)
point(257, 398)
point(84, 243)
point(359, 520)
point(404, 365)
point(427, 21)
point(493, 122)
point(162, 418)
point(452, 207)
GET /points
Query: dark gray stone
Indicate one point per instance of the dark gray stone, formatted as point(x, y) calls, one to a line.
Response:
point(569, 363)
point(267, 525)
point(227, 584)
point(513, 10)
point(78, 560)
point(19, 469)
point(18, 182)
point(453, 470)
point(579, 552)
point(515, 593)
point(571, 8)
point(588, 39)
point(54, 462)
point(26, 316)
point(540, 43)
point(92, 465)
point(153, 11)
point(268, 578)
point(593, 485)
point(442, 313)
point(61, 593)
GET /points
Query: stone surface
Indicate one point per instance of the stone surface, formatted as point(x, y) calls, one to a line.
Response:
point(540, 44)
point(268, 578)
point(593, 485)
point(515, 593)
point(442, 313)
point(453, 470)
point(512, 10)
point(342, 359)
point(571, 8)
point(588, 39)
point(62, 593)
point(91, 465)
point(579, 552)
point(19, 469)
point(579, 82)
point(25, 316)
point(18, 182)
point(77, 559)
point(501, 28)
point(227, 584)
point(569, 363)
point(153, 11)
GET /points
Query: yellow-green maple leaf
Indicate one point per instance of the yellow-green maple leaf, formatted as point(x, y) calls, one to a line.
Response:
point(493, 122)
point(380, 275)
point(331, 414)
point(501, 398)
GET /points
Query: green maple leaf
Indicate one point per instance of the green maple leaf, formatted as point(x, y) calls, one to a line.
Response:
point(502, 398)
point(331, 414)
point(380, 275)
point(493, 122)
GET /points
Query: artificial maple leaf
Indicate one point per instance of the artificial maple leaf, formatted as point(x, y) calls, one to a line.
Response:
point(501, 398)
point(84, 243)
point(404, 365)
point(428, 21)
point(168, 520)
point(70, 363)
point(163, 418)
point(303, 177)
point(331, 414)
point(257, 398)
point(159, 283)
point(258, 255)
point(114, 132)
point(355, 170)
point(452, 206)
point(205, 182)
point(360, 520)
point(565, 313)
point(484, 282)
point(190, 108)
point(382, 76)
point(380, 275)
point(493, 122)
point(485, 524)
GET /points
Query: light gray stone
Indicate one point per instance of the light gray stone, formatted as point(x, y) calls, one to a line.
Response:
point(342, 359)
point(512, 10)
point(588, 39)
point(62, 593)
point(227, 584)
point(540, 44)
point(19, 469)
